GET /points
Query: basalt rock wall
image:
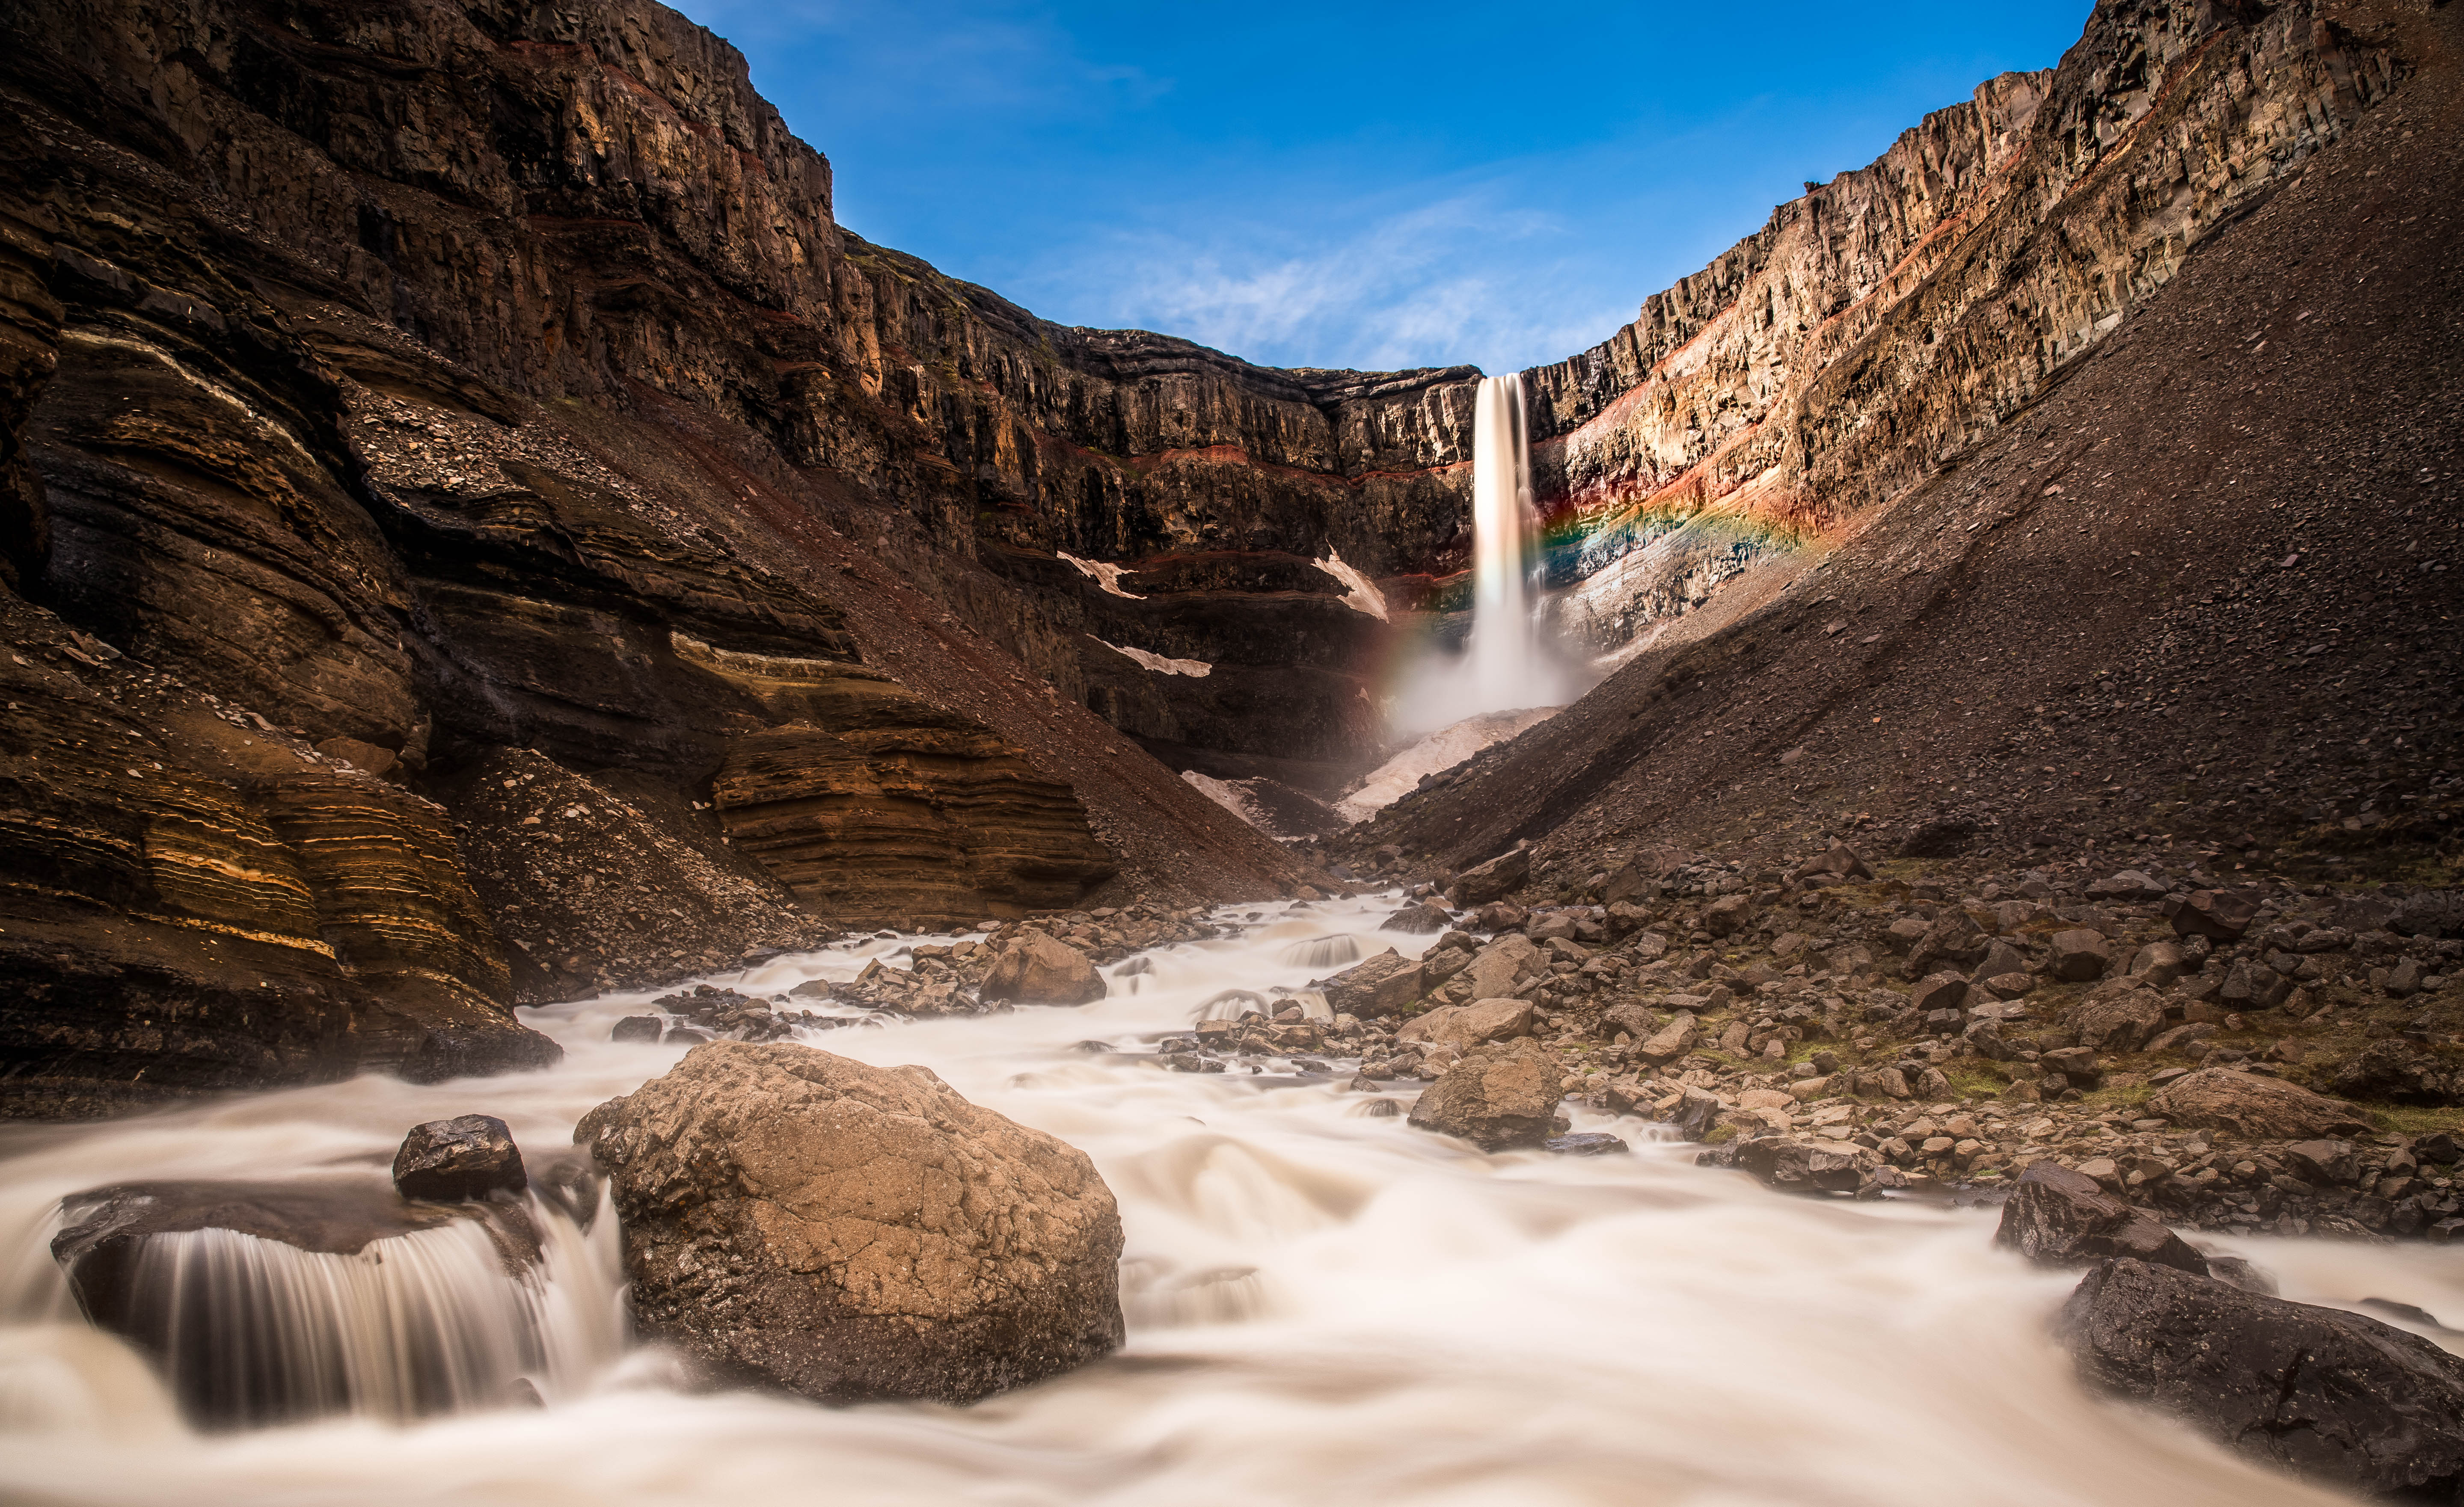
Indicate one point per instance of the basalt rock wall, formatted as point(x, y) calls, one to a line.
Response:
point(414, 484)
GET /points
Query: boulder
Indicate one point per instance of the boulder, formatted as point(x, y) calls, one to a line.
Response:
point(464, 1159)
point(1496, 1097)
point(1590, 1143)
point(2249, 1105)
point(796, 1220)
point(1623, 918)
point(2254, 986)
point(1418, 920)
point(1807, 1167)
point(1840, 864)
point(1494, 879)
point(2346, 1401)
point(1545, 927)
point(1500, 915)
point(2430, 913)
point(1727, 915)
point(2324, 1161)
point(2220, 915)
point(1670, 1041)
point(1939, 991)
point(2158, 964)
point(2118, 1022)
point(643, 1029)
point(2077, 1063)
point(2081, 954)
point(1034, 970)
point(1697, 1111)
point(1375, 987)
point(2000, 958)
point(2130, 886)
point(1497, 970)
point(2400, 1072)
point(1631, 1017)
point(2058, 1218)
point(1476, 1024)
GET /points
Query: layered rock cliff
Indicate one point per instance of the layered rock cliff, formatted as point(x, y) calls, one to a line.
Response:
point(436, 574)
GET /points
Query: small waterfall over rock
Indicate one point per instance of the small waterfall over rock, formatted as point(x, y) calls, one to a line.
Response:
point(294, 1316)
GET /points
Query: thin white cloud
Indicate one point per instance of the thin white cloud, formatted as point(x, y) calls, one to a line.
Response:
point(1417, 287)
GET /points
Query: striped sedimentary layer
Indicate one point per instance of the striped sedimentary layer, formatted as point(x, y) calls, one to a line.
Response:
point(1879, 326)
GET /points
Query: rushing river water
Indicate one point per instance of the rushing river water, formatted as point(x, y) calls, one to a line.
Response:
point(1323, 1307)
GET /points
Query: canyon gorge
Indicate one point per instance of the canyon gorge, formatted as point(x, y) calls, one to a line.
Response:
point(648, 849)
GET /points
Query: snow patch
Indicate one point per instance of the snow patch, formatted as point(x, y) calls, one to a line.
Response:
point(1443, 749)
point(1108, 577)
point(1363, 596)
point(1198, 668)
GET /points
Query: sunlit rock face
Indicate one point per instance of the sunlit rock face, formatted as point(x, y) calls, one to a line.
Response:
point(1881, 325)
point(436, 495)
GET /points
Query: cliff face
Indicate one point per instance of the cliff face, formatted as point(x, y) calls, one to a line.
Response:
point(1894, 318)
point(433, 579)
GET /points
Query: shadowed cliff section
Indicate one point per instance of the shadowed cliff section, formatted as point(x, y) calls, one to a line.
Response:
point(423, 592)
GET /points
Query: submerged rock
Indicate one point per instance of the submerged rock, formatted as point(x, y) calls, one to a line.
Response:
point(467, 1158)
point(1497, 1097)
point(797, 1220)
point(2344, 1400)
point(2059, 1217)
point(1807, 1167)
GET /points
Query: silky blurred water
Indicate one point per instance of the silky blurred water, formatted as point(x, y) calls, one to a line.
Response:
point(1324, 1307)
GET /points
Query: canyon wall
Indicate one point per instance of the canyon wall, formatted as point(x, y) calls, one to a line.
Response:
point(1892, 320)
point(443, 566)
point(607, 563)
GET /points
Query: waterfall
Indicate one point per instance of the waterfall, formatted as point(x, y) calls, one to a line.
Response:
point(1502, 670)
point(249, 1331)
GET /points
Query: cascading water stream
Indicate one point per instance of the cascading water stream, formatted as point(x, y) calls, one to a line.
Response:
point(1324, 1306)
point(1503, 660)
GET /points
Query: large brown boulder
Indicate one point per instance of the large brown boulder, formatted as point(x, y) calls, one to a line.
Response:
point(1497, 971)
point(1471, 1025)
point(2221, 915)
point(1378, 987)
point(2059, 1217)
point(2120, 1020)
point(1494, 879)
point(1035, 970)
point(800, 1221)
point(2344, 1400)
point(2253, 1105)
point(1497, 1097)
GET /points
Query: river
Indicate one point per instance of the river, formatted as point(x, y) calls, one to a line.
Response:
point(1324, 1306)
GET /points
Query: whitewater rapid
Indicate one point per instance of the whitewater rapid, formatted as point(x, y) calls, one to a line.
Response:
point(1324, 1306)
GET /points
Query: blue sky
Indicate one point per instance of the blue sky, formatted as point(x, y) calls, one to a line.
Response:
point(1369, 186)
